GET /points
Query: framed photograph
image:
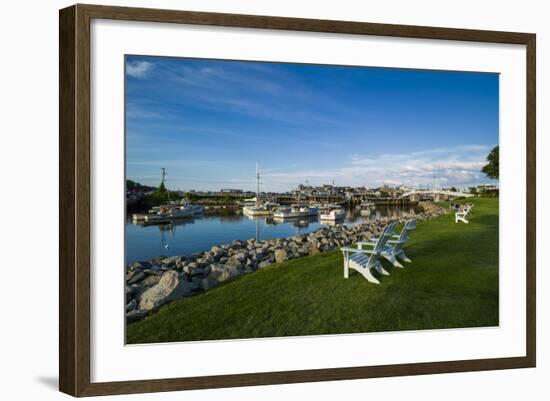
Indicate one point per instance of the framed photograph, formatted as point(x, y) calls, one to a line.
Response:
point(250, 200)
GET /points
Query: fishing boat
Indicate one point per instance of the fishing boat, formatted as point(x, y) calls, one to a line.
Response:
point(263, 210)
point(367, 205)
point(334, 215)
point(325, 207)
point(180, 212)
point(296, 210)
point(196, 209)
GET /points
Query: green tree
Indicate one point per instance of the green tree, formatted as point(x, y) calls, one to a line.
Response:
point(162, 187)
point(491, 168)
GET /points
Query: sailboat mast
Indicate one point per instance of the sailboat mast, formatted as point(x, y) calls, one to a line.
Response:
point(257, 186)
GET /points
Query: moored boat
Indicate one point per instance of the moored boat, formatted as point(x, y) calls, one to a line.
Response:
point(296, 210)
point(333, 215)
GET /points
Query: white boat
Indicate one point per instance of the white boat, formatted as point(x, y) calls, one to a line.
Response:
point(325, 207)
point(257, 211)
point(156, 218)
point(296, 210)
point(179, 212)
point(333, 215)
point(263, 210)
point(197, 209)
point(365, 212)
point(367, 205)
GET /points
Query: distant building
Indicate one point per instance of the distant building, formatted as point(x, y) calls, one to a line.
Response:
point(487, 187)
point(231, 191)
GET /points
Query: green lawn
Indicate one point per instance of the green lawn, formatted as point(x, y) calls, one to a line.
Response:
point(452, 282)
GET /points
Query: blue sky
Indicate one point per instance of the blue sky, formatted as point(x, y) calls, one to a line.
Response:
point(208, 122)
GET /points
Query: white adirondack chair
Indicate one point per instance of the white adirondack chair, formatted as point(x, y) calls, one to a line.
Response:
point(394, 247)
point(463, 215)
point(362, 260)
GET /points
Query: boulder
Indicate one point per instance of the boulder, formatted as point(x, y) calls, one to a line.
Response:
point(263, 264)
point(135, 315)
point(208, 283)
point(170, 287)
point(140, 265)
point(232, 262)
point(281, 255)
point(170, 261)
point(313, 250)
point(129, 293)
point(130, 306)
point(157, 260)
point(241, 256)
point(151, 280)
point(136, 278)
point(217, 252)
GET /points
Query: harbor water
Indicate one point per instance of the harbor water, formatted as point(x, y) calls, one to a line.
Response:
point(188, 236)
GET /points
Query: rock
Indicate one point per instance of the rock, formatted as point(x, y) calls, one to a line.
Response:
point(241, 256)
point(190, 267)
point(222, 273)
point(135, 315)
point(280, 255)
point(170, 261)
point(129, 293)
point(130, 306)
point(157, 260)
point(138, 265)
point(205, 260)
point(263, 264)
point(217, 252)
point(170, 287)
point(232, 262)
point(131, 273)
point(237, 244)
point(137, 290)
point(151, 280)
point(208, 283)
point(136, 278)
point(216, 249)
point(200, 271)
point(156, 271)
point(313, 250)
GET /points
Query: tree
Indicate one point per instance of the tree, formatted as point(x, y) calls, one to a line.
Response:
point(162, 187)
point(491, 168)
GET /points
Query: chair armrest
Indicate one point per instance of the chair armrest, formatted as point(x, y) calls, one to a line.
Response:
point(347, 249)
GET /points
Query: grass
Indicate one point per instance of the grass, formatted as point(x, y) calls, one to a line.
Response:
point(452, 282)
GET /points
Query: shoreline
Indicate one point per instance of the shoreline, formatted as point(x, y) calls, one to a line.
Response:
point(151, 284)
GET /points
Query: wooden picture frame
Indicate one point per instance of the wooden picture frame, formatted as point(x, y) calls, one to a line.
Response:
point(74, 204)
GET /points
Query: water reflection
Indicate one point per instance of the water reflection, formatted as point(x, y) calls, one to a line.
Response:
point(187, 236)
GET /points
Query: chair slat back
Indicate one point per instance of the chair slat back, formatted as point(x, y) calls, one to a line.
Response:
point(386, 234)
point(410, 225)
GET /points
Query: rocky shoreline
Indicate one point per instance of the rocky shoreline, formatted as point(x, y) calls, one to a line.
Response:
point(153, 283)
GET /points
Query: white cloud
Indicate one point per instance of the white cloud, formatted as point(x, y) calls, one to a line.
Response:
point(139, 69)
point(459, 166)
